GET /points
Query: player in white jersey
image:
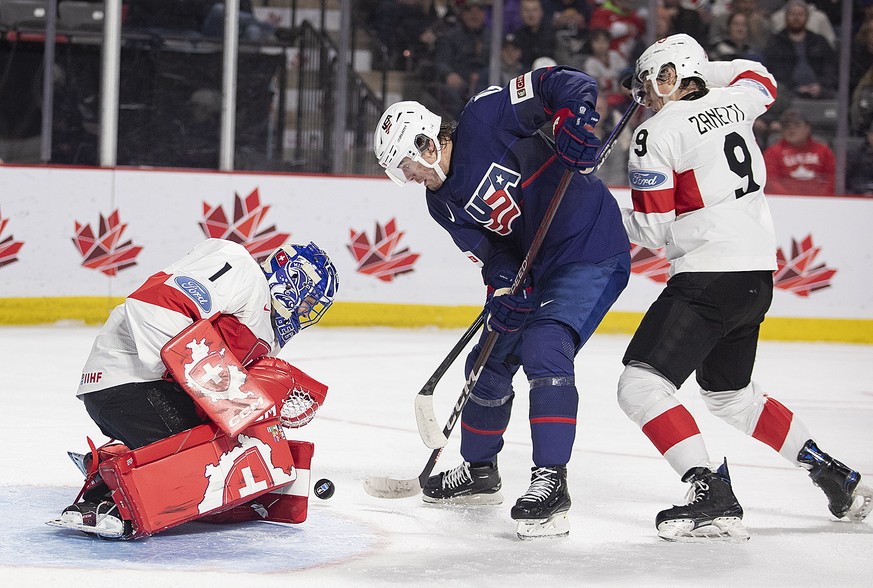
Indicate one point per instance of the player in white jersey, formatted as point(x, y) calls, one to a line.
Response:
point(697, 179)
point(254, 308)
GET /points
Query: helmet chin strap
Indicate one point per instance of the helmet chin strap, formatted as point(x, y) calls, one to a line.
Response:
point(435, 166)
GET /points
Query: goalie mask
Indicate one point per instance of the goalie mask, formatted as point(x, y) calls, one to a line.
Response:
point(680, 51)
point(405, 130)
point(303, 283)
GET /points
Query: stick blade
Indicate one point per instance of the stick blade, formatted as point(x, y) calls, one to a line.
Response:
point(381, 487)
point(428, 428)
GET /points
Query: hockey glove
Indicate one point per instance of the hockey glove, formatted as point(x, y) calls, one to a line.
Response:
point(575, 142)
point(507, 312)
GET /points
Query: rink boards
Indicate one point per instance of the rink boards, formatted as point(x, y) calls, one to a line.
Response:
point(75, 242)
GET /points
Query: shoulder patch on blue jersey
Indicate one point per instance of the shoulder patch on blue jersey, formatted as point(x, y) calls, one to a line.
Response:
point(521, 89)
point(646, 180)
point(195, 291)
point(754, 84)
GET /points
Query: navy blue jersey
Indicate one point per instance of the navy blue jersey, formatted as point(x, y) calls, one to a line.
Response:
point(503, 176)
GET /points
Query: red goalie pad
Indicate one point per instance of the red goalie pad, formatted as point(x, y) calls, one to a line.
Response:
point(201, 363)
point(197, 472)
point(287, 504)
point(297, 395)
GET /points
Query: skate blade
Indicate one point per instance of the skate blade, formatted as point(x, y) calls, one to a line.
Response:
point(480, 499)
point(558, 525)
point(102, 532)
point(862, 504)
point(723, 529)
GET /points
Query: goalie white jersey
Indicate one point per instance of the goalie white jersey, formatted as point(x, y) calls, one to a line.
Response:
point(218, 280)
point(697, 176)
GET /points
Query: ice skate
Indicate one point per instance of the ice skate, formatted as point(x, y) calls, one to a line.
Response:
point(101, 519)
point(542, 511)
point(712, 512)
point(847, 497)
point(467, 484)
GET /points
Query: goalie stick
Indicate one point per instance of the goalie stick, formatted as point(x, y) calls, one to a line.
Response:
point(384, 487)
point(425, 416)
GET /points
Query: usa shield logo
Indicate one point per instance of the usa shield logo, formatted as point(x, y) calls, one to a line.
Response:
point(494, 204)
point(211, 373)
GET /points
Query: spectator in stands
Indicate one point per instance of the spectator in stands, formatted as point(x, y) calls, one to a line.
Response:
point(861, 107)
point(757, 22)
point(461, 58)
point(686, 20)
point(250, 28)
point(862, 54)
point(512, 20)
point(569, 20)
point(735, 44)
point(798, 164)
point(405, 27)
point(605, 65)
point(536, 37)
point(663, 22)
point(816, 22)
point(802, 62)
point(510, 60)
point(622, 22)
point(859, 174)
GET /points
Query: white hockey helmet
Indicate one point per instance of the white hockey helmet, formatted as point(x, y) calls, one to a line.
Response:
point(403, 131)
point(681, 51)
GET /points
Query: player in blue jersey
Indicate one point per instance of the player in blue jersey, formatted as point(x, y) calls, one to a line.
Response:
point(489, 183)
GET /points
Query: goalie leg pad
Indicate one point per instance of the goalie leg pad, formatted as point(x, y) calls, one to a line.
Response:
point(218, 473)
point(286, 504)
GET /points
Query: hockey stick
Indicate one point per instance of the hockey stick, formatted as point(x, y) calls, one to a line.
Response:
point(428, 389)
point(384, 487)
point(425, 417)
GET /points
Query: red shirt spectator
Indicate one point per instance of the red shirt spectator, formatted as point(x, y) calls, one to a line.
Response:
point(623, 23)
point(798, 164)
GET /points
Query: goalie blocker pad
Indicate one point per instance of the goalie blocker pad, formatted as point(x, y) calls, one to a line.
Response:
point(201, 363)
point(202, 471)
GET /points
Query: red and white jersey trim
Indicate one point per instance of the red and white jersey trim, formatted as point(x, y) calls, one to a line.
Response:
point(697, 177)
point(218, 280)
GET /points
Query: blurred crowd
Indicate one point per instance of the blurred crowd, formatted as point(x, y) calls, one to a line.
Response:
point(444, 45)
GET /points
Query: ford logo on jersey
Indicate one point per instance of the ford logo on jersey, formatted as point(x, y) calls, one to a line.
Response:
point(646, 180)
point(195, 291)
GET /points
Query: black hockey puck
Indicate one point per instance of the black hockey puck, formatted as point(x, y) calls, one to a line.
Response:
point(324, 488)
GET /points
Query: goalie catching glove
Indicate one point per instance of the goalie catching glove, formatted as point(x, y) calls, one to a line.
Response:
point(575, 142)
point(296, 395)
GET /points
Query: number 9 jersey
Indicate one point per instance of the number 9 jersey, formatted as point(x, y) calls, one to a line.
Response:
point(697, 176)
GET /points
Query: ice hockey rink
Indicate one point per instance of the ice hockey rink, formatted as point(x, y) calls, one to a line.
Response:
point(366, 427)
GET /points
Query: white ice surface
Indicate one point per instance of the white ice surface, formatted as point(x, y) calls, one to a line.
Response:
point(617, 480)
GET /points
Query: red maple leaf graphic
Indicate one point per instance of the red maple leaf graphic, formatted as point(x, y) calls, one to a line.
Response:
point(103, 252)
point(797, 274)
point(651, 263)
point(247, 216)
point(381, 259)
point(8, 247)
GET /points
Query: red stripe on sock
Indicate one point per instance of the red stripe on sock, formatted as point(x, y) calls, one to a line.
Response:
point(773, 424)
point(553, 419)
point(481, 431)
point(671, 427)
